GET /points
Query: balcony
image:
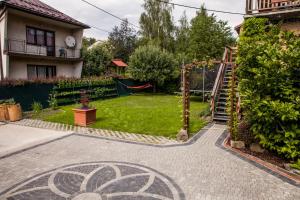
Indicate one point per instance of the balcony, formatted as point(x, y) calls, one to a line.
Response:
point(272, 8)
point(20, 48)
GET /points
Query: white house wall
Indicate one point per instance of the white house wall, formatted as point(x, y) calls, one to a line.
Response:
point(18, 69)
point(3, 35)
point(16, 30)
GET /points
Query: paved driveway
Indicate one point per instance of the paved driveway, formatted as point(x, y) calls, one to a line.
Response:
point(82, 167)
point(14, 138)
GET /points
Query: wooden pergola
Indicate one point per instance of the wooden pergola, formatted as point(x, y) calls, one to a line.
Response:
point(185, 79)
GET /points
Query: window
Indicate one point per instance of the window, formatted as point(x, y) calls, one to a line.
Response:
point(40, 37)
point(30, 36)
point(40, 71)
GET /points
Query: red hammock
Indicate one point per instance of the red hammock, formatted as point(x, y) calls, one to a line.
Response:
point(140, 87)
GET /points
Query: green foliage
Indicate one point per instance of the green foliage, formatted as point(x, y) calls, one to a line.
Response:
point(86, 82)
point(8, 101)
point(208, 36)
point(53, 101)
point(232, 107)
point(296, 165)
point(149, 63)
point(87, 42)
point(182, 34)
point(68, 91)
point(37, 107)
point(157, 26)
point(123, 40)
point(269, 60)
point(96, 60)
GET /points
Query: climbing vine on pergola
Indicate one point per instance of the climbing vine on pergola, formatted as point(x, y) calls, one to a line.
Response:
point(185, 80)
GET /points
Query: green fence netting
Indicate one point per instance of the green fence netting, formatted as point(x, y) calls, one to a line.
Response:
point(123, 90)
point(27, 94)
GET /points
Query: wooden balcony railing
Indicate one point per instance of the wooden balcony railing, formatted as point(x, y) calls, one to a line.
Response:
point(268, 6)
point(20, 47)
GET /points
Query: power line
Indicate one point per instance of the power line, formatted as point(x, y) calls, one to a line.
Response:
point(197, 8)
point(109, 13)
point(100, 29)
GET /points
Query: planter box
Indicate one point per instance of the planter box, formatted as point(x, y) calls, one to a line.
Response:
point(3, 113)
point(14, 112)
point(84, 117)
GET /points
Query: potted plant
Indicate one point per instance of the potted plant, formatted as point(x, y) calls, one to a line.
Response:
point(85, 115)
point(14, 111)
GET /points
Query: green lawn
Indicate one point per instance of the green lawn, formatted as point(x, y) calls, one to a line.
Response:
point(144, 114)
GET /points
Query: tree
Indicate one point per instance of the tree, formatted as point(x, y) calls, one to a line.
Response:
point(86, 42)
point(123, 40)
point(157, 26)
point(208, 36)
point(182, 34)
point(150, 63)
point(96, 60)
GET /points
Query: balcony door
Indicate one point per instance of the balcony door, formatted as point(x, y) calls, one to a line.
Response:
point(50, 43)
point(43, 39)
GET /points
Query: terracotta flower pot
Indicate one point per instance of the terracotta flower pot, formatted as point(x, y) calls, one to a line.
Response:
point(3, 113)
point(84, 117)
point(14, 112)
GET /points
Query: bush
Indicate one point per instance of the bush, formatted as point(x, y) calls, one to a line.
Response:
point(53, 101)
point(268, 59)
point(37, 107)
point(296, 165)
point(86, 82)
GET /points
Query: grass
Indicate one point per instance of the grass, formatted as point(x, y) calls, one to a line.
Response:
point(158, 115)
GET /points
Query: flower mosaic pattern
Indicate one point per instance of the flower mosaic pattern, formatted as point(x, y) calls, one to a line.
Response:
point(98, 181)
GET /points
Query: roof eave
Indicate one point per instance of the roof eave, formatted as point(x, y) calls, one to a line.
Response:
point(82, 25)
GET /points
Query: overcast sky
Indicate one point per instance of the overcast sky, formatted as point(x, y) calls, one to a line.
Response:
point(131, 9)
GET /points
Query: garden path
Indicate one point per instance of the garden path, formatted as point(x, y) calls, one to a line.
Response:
point(87, 167)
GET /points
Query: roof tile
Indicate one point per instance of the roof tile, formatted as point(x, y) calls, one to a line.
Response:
point(38, 7)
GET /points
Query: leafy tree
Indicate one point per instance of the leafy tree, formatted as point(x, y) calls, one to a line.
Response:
point(96, 60)
point(182, 34)
point(208, 36)
point(157, 26)
point(150, 63)
point(269, 61)
point(123, 40)
point(86, 42)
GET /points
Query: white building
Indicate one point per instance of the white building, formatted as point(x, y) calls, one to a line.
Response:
point(38, 41)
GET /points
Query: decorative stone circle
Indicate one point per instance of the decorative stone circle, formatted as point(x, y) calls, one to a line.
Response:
point(97, 181)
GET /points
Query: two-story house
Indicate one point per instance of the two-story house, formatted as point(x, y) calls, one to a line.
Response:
point(38, 41)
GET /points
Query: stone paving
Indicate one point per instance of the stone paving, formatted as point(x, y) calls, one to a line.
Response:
point(97, 132)
point(82, 167)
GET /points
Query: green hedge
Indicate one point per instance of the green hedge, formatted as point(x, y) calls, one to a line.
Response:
point(269, 61)
point(68, 91)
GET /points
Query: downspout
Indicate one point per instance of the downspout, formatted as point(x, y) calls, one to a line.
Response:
point(1, 60)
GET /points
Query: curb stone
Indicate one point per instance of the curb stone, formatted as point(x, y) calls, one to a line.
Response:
point(158, 140)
